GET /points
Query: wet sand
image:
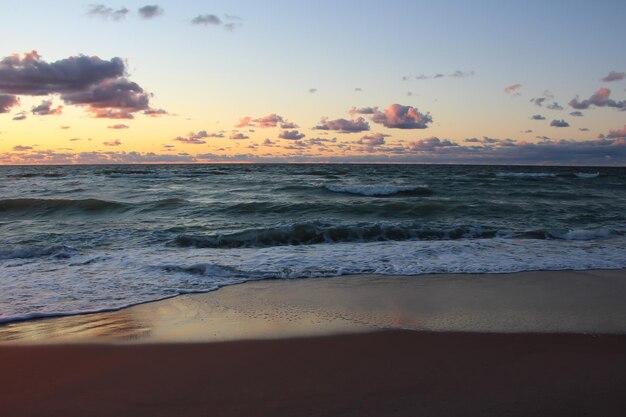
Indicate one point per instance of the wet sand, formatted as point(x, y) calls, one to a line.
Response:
point(536, 343)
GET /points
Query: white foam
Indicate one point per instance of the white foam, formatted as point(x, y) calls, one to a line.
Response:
point(373, 190)
point(587, 174)
point(525, 174)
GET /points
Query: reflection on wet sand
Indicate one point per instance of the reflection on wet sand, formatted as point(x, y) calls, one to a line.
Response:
point(560, 301)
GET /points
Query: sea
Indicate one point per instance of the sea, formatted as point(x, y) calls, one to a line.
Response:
point(78, 239)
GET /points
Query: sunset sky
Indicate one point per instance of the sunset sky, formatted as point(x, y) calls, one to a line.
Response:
point(326, 81)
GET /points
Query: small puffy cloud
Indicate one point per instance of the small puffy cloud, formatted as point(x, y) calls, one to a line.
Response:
point(312, 90)
point(115, 142)
point(238, 136)
point(20, 116)
point(155, 112)
point(617, 134)
point(462, 74)
point(206, 20)
point(600, 99)
point(288, 125)
point(538, 101)
point(559, 123)
point(583, 129)
point(150, 11)
point(193, 138)
point(363, 110)
point(372, 141)
point(614, 76)
point(64, 127)
point(7, 102)
point(537, 117)
point(291, 135)
point(271, 120)
point(431, 144)
point(513, 88)
point(577, 114)
point(22, 148)
point(268, 142)
point(244, 122)
point(554, 106)
point(358, 89)
point(105, 12)
point(45, 108)
point(398, 116)
point(343, 125)
point(119, 126)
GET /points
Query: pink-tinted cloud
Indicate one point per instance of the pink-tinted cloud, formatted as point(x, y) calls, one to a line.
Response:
point(155, 112)
point(289, 125)
point(600, 99)
point(291, 135)
point(244, 122)
point(22, 148)
point(193, 138)
point(398, 116)
point(513, 88)
point(617, 134)
point(115, 142)
point(343, 125)
point(45, 109)
point(271, 120)
point(115, 99)
point(119, 126)
point(7, 102)
point(238, 136)
point(614, 76)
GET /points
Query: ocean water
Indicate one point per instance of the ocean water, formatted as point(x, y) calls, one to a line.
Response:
point(89, 238)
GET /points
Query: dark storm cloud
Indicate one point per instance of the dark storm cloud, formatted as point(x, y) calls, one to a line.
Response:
point(559, 123)
point(291, 135)
point(614, 76)
point(150, 11)
point(105, 12)
point(30, 75)
point(599, 99)
point(343, 125)
point(7, 102)
point(398, 116)
point(45, 109)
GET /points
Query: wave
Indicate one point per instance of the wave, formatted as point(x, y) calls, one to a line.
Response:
point(58, 252)
point(587, 174)
point(378, 190)
point(525, 174)
point(47, 206)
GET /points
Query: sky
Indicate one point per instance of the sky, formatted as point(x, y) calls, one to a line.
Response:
point(488, 82)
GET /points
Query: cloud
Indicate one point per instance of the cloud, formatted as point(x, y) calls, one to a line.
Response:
point(206, 20)
point(100, 10)
point(268, 142)
point(119, 126)
point(614, 76)
point(64, 127)
point(358, 89)
point(30, 75)
point(150, 11)
point(538, 101)
point(238, 136)
point(244, 121)
point(577, 114)
point(599, 99)
point(95, 157)
point(291, 135)
point(363, 110)
point(431, 144)
point(288, 125)
point(554, 106)
point(513, 89)
point(7, 102)
point(114, 99)
point(193, 138)
point(372, 141)
point(537, 117)
point(343, 125)
point(312, 90)
point(455, 74)
point(271, 120)
point(155, 112)
point(20, 116)
point(115, 142)
point(617, 134)
point(398, 116)
point(45, 108)
point(21, 148)
point(462, 74)
point(583, 129)
point(559, 123)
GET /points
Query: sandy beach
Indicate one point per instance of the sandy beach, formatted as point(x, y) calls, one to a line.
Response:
point(535, 343)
